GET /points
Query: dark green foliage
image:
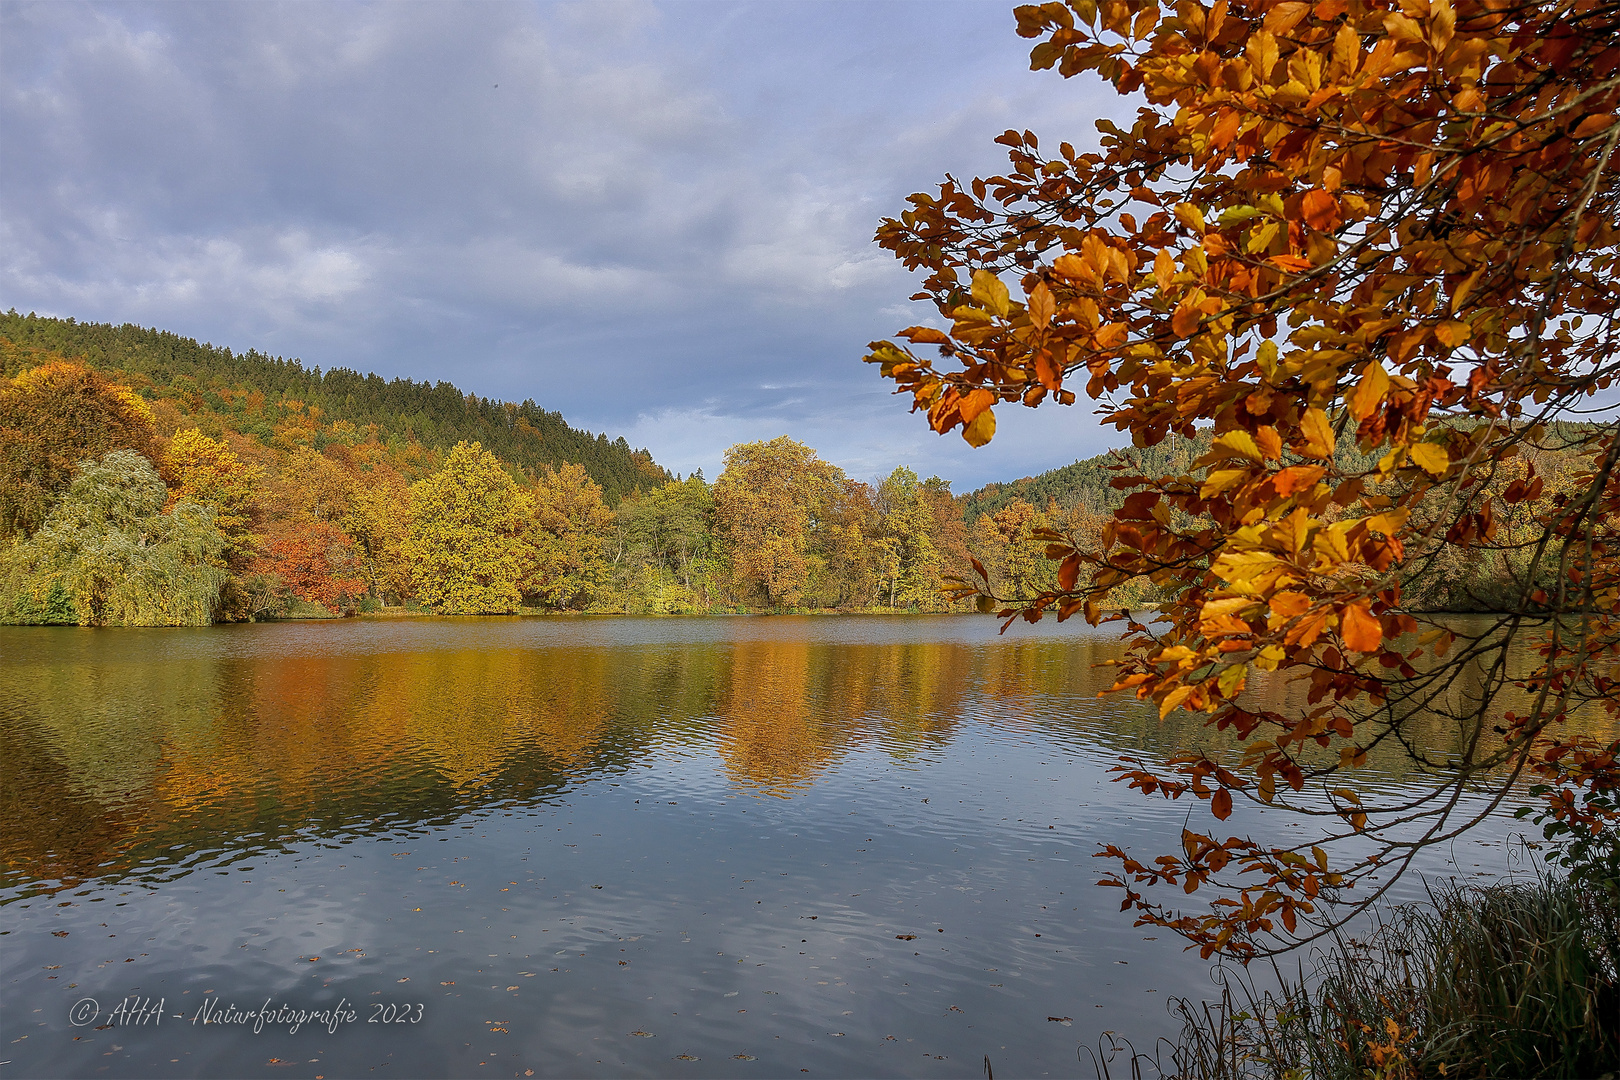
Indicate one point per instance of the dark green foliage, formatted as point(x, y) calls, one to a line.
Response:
point(1087, 483)
point(438, 415)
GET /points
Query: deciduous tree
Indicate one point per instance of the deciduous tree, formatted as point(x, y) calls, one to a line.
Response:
point(206, 471)
point(766, 502)
point(316, 561)
point(52, 417)
point(467, 543)
point(108, 554)
point(568, 538)
point(1392, 225)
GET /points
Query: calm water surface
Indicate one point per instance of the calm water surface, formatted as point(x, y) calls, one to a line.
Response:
point(575, 847)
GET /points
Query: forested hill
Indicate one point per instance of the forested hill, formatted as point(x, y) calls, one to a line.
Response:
point(436, 415)
point(1085, 483)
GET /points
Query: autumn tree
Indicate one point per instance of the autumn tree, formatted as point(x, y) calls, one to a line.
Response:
point(52, 417)
point(912, 548)
point(206, 471)
point(665, 537)
point(378, 518)
point(768, 500)
point(1011, 546)
point(467, 543)
point(309, 486)
point(109, 555)
point(568, 538)
point(316, 561)
point(1387, 227)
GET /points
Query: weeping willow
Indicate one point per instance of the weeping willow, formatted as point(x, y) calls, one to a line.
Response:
point(108, 554)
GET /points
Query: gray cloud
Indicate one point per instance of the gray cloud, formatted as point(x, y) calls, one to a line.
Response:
point(655, 218)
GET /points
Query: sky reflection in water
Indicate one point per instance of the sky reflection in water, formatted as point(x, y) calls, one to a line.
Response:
point(663, 847)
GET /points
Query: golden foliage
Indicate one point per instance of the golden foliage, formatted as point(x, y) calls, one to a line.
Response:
point(1372, 248)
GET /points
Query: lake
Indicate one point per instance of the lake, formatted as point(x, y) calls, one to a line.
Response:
point(753, 846)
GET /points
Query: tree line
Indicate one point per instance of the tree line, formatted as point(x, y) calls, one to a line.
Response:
point(128, 502)
point(124, 501)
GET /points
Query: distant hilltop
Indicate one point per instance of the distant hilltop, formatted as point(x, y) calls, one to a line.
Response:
point(256, 395)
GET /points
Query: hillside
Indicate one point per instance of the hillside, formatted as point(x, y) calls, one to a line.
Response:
point(1084, 483)
point(238, 387)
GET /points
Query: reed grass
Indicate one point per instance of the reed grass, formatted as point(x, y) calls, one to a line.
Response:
point(1519, 979)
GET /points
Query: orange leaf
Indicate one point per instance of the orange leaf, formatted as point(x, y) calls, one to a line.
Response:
point(974, 404)
point(1220, 804)
point(1047, 371)
point(1041, 305)
point(1360, 630)
point(1068, 573)
point(1321, 210)
point(1185, 321)
point(1288, 604)
point(1297, 478)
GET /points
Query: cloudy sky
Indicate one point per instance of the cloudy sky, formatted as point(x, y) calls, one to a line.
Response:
point(656, 218)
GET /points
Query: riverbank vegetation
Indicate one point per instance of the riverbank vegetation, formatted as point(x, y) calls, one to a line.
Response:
point(296, 509)
point(194, 485)
point(1520, 978)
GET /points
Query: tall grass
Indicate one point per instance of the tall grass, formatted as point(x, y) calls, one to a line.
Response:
point(1516, 979)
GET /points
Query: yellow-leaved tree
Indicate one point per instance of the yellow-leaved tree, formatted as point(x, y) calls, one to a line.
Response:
point(568, 538)
point(766, 503)
point(467, 541)
point(206, 471)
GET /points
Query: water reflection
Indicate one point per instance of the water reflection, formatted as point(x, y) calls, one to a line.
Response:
point(124, 749)
point(119, 748)
point(633, 821)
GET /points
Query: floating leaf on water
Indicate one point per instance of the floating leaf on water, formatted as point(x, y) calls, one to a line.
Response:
point(643, 1034)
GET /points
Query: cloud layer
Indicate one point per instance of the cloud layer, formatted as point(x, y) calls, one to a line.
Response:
point(655, 218)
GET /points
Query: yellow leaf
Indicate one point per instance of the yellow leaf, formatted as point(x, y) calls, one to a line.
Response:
point(1266, 360)
point(1226, 605)
point(1369, 393)
point(1172, 699)
point(1243, 565)
point(1222, 480)
point(1332, 543)
point(1263, 53)
point(1232, 680)
point(1318, 434)
point(1452, 333)
point(1269, 442)
point(1402, 28)
point(982, 429)
point(1346, 49)
point(989, 291)
point(1241, 443)
point(1430, 458)
point(1190, 216)
point(1388, 523)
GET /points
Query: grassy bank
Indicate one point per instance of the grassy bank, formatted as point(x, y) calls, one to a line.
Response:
point(1519, 979)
